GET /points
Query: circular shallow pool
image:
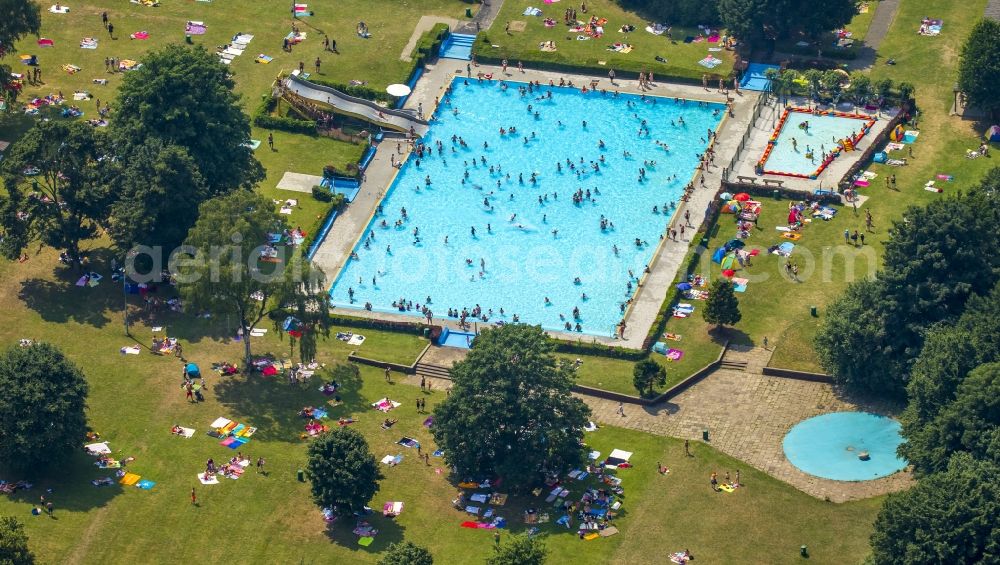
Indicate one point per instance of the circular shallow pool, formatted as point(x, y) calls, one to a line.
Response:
point(845, 446)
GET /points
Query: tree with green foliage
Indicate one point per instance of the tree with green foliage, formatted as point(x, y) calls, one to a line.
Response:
point(343, 473)
point(755, 21)
point(688, 13)
point(43, 398)
point(860, 88)
point(948, 517)
point(949, 354)
point(519, 549)
point(851, 341)
point(966, 424)
point(62, 165)
point(510, 413)
point(158, 190)
point(14, 543)
point(220, 270)
point(782, 82)
point(183, 96)
point(935, 261)
point(646, 374)
point(722, 307)
point(979, 66)
point(406, 553)
point(19, 19)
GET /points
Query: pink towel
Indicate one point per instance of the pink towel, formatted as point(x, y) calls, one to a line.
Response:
point(860, 182)
point(713, 39)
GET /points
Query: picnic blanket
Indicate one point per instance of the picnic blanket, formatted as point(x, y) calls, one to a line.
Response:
point(263, 59)
point(408, 442)
point(128, 65)
point(209, 480)
point(97, 448)
point(392, 460)
point(385, 404)
point(88, 43)
point(59, 9)
point(195, 28)
point(130, 479)
point(139, 35)
point(710, 62)
point(186, 432)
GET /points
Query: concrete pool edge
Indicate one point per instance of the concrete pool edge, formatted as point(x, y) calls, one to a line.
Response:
point(664, 264)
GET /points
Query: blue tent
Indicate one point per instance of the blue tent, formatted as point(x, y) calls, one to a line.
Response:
point(719, 254)
point(192, 370)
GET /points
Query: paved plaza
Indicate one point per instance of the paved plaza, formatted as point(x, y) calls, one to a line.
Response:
point(747, 415)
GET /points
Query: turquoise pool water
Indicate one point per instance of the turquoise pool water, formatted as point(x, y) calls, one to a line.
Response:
point(828, 446)
point(523, 250)
point(824, 131)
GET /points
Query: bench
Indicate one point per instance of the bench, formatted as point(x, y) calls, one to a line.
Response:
point(751, 180)
point(774, 182)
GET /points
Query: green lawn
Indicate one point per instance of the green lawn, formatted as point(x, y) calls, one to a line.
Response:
point(134, 400)
point(778, 307)
point(391, 26)
point(682, 58)
point(862, 21)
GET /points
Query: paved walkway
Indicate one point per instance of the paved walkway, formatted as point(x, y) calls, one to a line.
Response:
point(993, 10)
point(484, 18)
point(881, 21)
point(747, 416)
point(423, 26)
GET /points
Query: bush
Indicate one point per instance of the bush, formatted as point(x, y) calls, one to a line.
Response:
point(322, 193)
point(357, 91)
point(263, 118)
point(599, 350)
point(337, 200)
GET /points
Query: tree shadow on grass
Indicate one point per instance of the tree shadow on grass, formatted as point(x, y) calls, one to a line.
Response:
point(67, 485)
point(272, 404)
point(738, 339)
point(389, 531)
point(61, 301)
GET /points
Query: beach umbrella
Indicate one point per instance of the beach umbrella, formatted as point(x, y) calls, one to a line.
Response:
point(725, 196)
point(398, 89)
point(742, 197)
point(684, 286)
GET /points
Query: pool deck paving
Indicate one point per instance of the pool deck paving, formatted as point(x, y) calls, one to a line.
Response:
point(335, 250)
point(747, 415)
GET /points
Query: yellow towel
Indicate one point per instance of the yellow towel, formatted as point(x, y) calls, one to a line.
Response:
point(130, 479)
point(589, 537)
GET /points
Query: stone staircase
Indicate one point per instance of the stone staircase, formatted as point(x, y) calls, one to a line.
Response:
point(432, 371)
point(745, 359)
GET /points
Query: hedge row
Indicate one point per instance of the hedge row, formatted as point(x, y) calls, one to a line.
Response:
point(262, 118)
point(357, 91)
point(624, 70)
point(600, 350)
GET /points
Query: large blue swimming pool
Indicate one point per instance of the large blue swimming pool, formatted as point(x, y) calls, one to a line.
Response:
point(531, 240)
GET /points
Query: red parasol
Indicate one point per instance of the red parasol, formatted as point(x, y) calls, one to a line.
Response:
point(742, 197)
point(728, 273)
